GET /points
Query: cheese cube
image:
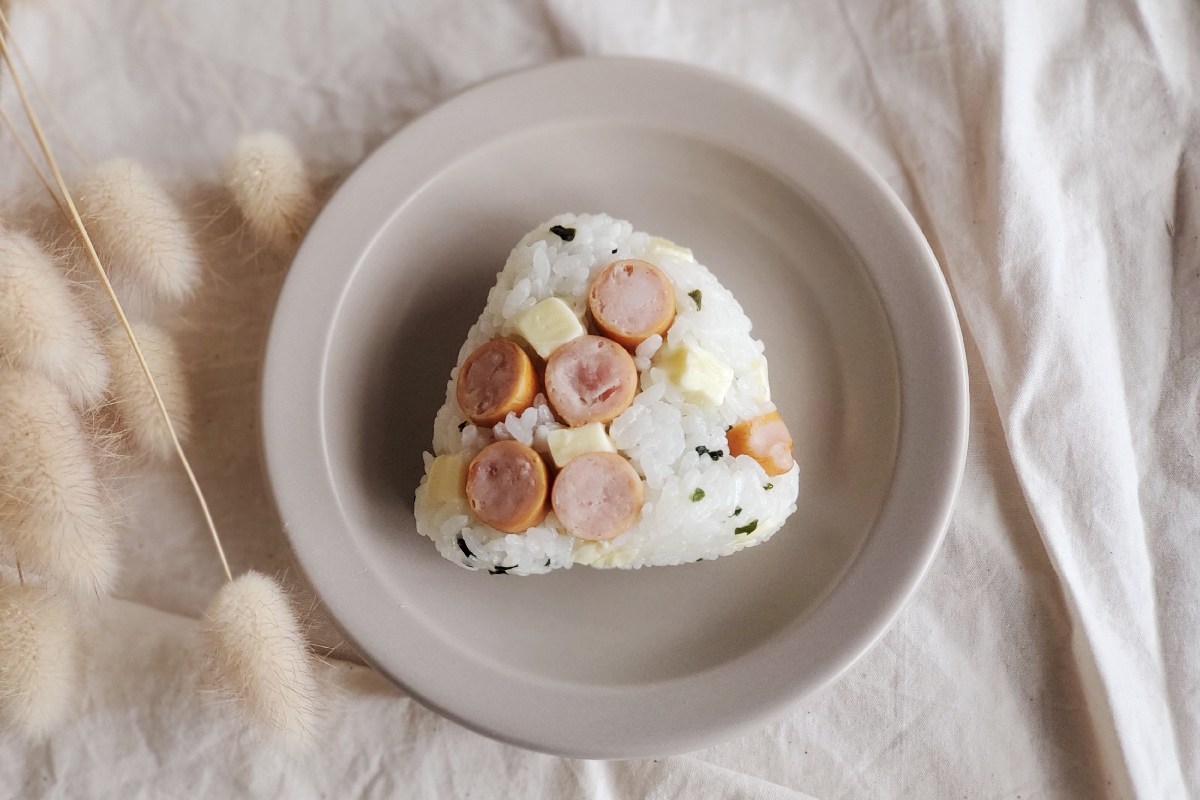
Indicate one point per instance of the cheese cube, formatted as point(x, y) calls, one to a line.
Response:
point(548, 325)
point(447, 479)
point(664, 248)
point(567, 443)
point(703, 379)
point(602, 554)
point(761, 386)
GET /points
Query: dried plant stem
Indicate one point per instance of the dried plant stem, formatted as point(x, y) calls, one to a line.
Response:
point(12, 128)
point(217, 78)
point(77, 221)
point(59, 125)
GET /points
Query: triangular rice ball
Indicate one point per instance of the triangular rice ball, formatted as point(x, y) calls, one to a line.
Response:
point(609, 408)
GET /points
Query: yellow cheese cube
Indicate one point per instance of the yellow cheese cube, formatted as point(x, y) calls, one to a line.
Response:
point(697, 372)
point(567, 443)
point(548, 325)
point(665, 248)
point(586, 552)
point(758, 373)
point(447, 479)
point(602, 554)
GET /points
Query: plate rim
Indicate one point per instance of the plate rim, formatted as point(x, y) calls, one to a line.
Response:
point(275, 371)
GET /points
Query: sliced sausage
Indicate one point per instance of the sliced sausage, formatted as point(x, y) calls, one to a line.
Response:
point(590, 379)
point(766, 439)
point(495, 379)
point(507, 484)
point(597, 496)
point(631, 301)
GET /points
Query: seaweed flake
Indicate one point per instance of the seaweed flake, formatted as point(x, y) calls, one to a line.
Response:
point(701, 449)
point(498, 570)
point(462, 545)
point(716, 455)
point(737, 511)
point(462, 426)
point(547, 563)
point(696, 296)
point(614, 252)
point(566, 234)
point(747, 528)
point(697, 495)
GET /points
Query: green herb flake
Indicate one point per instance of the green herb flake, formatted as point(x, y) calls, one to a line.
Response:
point(462, 545)
point(566, 234)
point(737, 511)
point(749, 527)
point(697, 297)
point(697, 495)
point(769, 486)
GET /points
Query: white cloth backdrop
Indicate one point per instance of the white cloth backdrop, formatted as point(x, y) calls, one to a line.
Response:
point(1050, 152)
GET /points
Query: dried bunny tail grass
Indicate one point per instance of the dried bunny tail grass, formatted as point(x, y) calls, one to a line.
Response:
point(42, 328)
point(139, 235)
point(137, 412)
point(39, 645)
point(175, 237)
point(254, 653)
point(52, 509)
point(89, 293)
point(271, 188)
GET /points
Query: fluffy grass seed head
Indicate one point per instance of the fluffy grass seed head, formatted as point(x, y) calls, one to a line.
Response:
point(254, 653)
point(138, 415)
point(52, 509)
point(271, 188)
point(42, 327)
point(39, 644)
point(140, 236)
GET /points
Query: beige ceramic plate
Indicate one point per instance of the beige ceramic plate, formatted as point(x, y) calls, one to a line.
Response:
point(866, 364)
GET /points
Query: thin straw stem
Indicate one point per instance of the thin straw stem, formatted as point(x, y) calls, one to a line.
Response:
point(59, 125)
point(32, 159)
point(52, 163)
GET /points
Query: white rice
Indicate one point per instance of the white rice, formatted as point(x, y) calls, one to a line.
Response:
point(659, 433)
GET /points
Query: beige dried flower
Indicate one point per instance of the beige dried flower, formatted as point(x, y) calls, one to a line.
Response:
point(140, 236)
point(52, 511)
point(271, 188)
point(39, 641)
point(42, 328)
point(254, 652)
